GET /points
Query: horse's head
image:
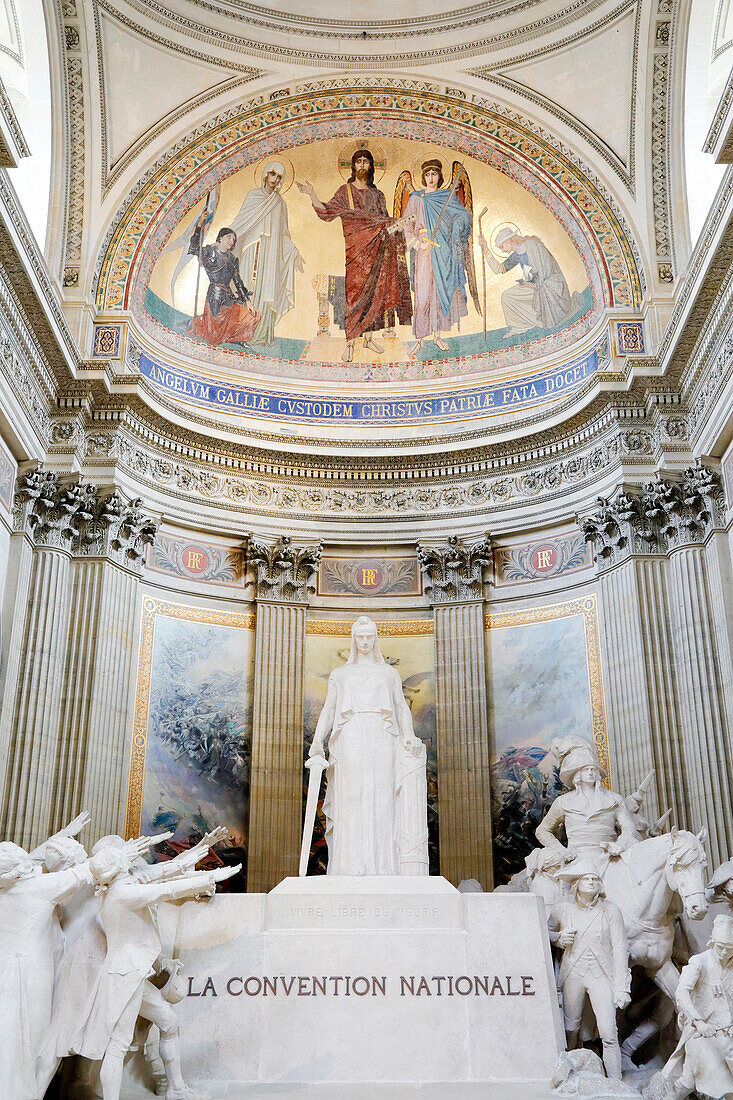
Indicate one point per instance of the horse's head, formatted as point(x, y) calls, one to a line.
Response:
point(685, 867)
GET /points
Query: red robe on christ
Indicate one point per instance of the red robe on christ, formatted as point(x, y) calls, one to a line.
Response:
point(377, 279)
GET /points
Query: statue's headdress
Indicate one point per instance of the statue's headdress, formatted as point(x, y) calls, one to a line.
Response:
point(573, 754)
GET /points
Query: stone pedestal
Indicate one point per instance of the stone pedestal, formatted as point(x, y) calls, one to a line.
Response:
point(355, 980)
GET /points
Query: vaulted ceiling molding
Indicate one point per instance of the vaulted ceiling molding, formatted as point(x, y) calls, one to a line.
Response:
point(14, 48)
point(112, 169)
point(501, 74)
point(722, 15)
point(521, 139)
point(75, 141)
point(291, 53)
point(663, 31)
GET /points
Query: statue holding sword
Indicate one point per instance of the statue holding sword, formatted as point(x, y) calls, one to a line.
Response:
point(376, 795)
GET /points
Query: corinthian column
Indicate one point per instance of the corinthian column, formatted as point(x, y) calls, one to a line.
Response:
point(453, 581)
point(47, 514)
point(667, 647)
point(96, 715)
point(284, 576)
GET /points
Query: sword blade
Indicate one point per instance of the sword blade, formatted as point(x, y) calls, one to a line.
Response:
point(316, 766)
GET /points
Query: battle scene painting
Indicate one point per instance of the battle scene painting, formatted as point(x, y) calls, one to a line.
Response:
point(369, 251)
point(413, 655)
point(544, 683)
point(197, 695)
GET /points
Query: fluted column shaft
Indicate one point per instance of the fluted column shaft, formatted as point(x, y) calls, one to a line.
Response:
point(276, 785)
point(671, 533)
point(464, 778)
point(34, 716)
point(625, 664)
point(708, 771)
point(96, 714)
point(283, 576)
point(64, 720)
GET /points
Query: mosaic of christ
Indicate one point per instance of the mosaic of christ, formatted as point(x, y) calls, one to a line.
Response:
point(369, 252)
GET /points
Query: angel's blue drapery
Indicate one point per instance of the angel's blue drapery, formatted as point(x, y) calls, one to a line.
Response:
point(447, 255)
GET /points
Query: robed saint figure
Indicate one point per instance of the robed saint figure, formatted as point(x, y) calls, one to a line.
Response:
point(377, 280)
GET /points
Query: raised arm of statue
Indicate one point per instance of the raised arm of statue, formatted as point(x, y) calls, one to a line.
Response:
point(628, 833)
point(195, 884)
point(74, 827)
point(545, 831)
point(59, 885)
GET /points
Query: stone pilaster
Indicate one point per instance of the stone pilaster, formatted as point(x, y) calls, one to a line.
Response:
point(667, 645)
point(283, 579)
point(47, 512)
point(65, 714)
point(96, 714)
point(453, 580)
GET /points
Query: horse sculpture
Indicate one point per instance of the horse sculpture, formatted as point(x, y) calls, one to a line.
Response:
point(652, 883)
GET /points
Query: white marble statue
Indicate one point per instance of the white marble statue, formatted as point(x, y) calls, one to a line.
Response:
point(703, 1060)
point(122, 990)
point(376, 798)
point(542, 867)
point(597, 822)
point(635, 805)
point(720, 887)
point(30, 948)
point(595, 963)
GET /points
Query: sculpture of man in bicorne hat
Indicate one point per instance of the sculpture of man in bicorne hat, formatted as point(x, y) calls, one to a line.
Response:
point(597, 822)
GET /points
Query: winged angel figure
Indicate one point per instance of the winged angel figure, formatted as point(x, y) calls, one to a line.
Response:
point(438, 230)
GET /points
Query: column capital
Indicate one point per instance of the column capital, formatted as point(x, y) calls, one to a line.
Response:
point(77, 516)
point(670, 511)
point(283, 571)
point(453, 570)
point(116, 529)
point(48, 508)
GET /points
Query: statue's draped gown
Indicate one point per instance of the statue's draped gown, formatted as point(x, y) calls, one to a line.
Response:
point(370, 719)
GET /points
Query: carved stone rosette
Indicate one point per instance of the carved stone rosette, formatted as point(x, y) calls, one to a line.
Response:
point(283, 571)
point(453, 571)
point(667, 513)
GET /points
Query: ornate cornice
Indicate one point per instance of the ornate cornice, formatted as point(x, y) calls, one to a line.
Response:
point(666, 514)
point(69, 20)
point(16, 147)
point(283, 571)
point(706, 271)
point(32, 289)
point(453, 571)
point(719, 140)
point(660, 158)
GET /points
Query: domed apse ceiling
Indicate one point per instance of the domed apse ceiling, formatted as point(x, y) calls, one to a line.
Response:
point(393, 295)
